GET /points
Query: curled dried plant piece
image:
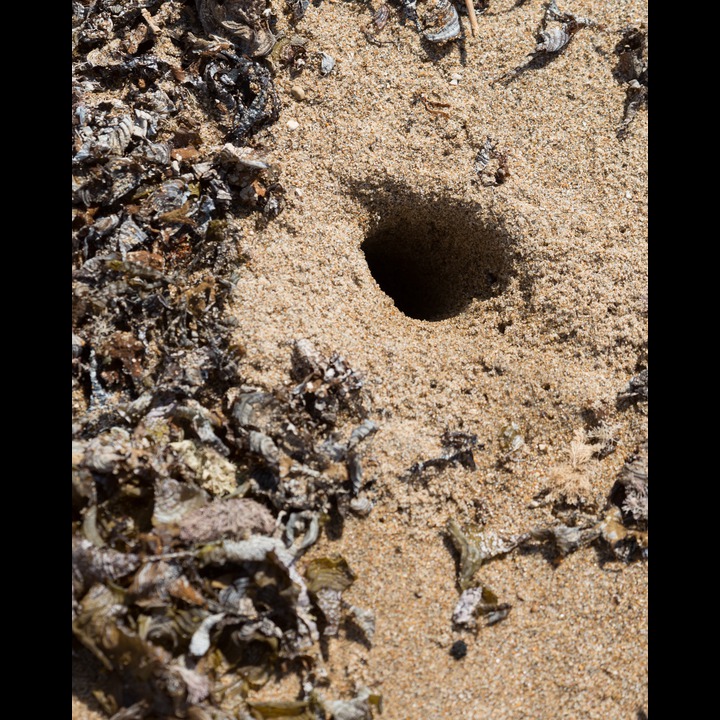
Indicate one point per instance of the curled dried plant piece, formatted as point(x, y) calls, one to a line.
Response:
point(479, 600)
point(566, 540)
point(478, 548)
point(458, 450)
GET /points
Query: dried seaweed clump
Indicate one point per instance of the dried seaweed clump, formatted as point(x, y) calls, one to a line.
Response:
point(300, 461)
point(186, 535)
point(621, 529)
point(636, 390)
point(189, 590)
point(241, 21)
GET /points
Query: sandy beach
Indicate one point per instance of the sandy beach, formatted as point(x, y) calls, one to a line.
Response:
point(505, 300)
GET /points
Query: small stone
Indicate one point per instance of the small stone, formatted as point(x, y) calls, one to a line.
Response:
point(459, 649)
point(293, 125)
point(297, 92)
point(456, 76)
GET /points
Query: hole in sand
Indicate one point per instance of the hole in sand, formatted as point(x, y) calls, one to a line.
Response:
point(433, 257)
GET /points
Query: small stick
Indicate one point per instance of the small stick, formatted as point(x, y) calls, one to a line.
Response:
point(474, 30)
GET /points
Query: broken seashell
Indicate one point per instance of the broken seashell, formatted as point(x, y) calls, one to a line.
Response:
point(445, 16)
point(553, 40)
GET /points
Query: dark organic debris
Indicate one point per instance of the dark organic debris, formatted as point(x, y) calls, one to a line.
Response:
point(244, 90)
point(240, 21)
point(192, 496)
point(630, 492)
point(181, 588)
point(636, 390)
point(490, 164)
point(458, 450)
point(632, 71)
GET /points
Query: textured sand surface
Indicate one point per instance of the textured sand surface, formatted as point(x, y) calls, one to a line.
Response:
point(543, 284)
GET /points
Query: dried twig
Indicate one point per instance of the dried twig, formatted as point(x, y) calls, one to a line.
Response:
point(474, 30)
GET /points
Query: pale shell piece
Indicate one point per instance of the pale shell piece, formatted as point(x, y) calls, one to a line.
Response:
point(243, 411)
point(365, 429)
point(174, 500)
point(553, 40)
point(327, 63)
point(263, 445)
point(464, 612)
point(328, 601)
point(245, 156)
point(381, 16)
point(129, 236)
point(157, 153)
point(200, 642)
point(361, 506)
point(449, 21)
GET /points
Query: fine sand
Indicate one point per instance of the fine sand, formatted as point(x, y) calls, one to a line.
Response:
point(532, 310)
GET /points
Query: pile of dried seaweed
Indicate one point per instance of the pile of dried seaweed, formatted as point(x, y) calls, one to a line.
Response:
point(193, 495)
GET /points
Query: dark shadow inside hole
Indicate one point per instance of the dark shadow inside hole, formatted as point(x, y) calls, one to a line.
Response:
point(433, 257)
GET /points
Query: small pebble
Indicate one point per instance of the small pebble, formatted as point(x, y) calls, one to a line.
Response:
point(459, 649)
point(297, 92)
point(293, 125)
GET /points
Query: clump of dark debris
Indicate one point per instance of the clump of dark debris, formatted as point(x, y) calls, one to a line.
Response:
point(458, 449)
point(188, 522)
point(193, 495)
point(632, 71)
